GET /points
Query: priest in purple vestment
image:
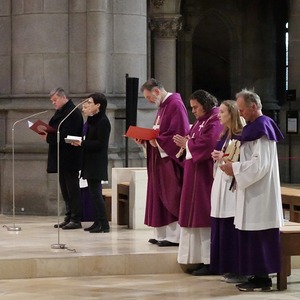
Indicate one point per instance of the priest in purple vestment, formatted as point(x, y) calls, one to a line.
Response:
point(164, 168)
point(258, 213)
point(194, 213)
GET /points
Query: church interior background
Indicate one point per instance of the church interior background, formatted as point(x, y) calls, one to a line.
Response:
point(87, 46)
point(90, 46)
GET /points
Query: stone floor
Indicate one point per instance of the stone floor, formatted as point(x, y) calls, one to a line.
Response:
point(118, 265)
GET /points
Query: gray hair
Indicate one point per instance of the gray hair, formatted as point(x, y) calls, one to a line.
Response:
point(59, 91)
point(150, 84)
point(249, 97)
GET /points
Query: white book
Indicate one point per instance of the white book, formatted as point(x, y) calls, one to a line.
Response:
point(73, 138)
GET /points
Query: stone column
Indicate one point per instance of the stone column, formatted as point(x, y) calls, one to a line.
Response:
point(165, 33)
point(129, 54)
point(97, 34)
point(5, 61)
point(78, 46)
point(39, 46)
point(5, 47)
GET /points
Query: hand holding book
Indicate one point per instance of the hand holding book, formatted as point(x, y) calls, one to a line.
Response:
point(41, 127)
point(140, 133)
point(70, 139)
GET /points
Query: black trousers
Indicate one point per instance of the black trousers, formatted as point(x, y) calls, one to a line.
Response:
point(69, 185)
point(95, 189)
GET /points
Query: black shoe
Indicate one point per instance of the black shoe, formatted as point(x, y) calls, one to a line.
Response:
point(99, 229)
point(72, 225)
point(191, 270)
point(165, 243)
point(153, 241)
point(91, 227)
point(256, 284)
point(64, 223)
point(203, 271)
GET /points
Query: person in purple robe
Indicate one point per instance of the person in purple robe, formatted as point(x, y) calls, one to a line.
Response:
point(258, 214)
point(194, 212)
point(163, 167)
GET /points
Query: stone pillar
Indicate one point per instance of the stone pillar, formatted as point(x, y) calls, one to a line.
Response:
point(129, 42)
point(39, 46)
point(165, 33)
point(5, 47)
point(97, 34)
point(128, 55)
point(77, 46)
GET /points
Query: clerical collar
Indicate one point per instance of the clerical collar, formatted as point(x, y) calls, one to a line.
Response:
point(168, 94)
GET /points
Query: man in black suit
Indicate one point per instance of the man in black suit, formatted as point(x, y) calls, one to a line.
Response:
point(69, 157)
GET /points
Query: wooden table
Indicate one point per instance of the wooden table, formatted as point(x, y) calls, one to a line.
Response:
point(123, 203)
point(290, 245)
point(106, 193)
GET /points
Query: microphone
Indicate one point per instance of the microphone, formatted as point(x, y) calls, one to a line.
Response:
point(59, 245)
point(14, 227)
point(36, 114)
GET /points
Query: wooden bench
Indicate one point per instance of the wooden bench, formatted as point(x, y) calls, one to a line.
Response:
point(290, 246)
point(107, 194)
point(123, 203)
point(290, 195)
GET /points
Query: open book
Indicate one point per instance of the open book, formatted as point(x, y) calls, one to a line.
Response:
point(41, 127)
point(72, 138)
point(232, 152)
point(141, 133)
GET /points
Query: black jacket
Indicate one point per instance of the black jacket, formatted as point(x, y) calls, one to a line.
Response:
point(70, 156)
point(95, 147)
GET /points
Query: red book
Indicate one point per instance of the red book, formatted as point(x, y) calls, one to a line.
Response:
point(41, 127)
point(141, 133)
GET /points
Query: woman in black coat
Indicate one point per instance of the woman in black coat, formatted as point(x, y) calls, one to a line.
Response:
point(95, 157)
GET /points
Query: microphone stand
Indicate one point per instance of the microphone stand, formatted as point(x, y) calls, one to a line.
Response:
point(14, 227)
point(59, 245)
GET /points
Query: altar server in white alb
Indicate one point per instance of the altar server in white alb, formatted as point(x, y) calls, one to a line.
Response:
point(223, 247)
point(258, 215)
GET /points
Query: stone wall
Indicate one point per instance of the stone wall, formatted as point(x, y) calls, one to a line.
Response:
point(83, 46)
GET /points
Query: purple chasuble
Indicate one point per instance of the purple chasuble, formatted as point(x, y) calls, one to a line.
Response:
point(165, 174)
point(198, 172)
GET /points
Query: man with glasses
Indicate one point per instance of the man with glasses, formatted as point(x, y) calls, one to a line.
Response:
point(163, 167)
